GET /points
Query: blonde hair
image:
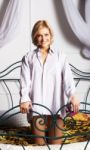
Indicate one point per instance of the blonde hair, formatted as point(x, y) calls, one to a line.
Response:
point(40, 24)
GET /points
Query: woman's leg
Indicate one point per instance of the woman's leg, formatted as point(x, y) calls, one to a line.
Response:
point(37, 125)
point(55, 131)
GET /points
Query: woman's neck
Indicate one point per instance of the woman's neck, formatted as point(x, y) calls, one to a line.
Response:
point(44, 50)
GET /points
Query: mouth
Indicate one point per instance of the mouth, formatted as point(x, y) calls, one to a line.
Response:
point(44, 42)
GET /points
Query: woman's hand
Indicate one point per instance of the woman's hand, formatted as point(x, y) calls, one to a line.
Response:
point(74, 103)
point(24, 107)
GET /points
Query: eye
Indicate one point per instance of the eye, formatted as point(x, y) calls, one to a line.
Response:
point(46, 34)
point(38, 35)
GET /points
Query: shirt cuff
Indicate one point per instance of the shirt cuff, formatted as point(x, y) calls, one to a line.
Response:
point(24, 99)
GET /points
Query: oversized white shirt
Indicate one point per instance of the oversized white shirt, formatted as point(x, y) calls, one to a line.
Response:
point(47, 83)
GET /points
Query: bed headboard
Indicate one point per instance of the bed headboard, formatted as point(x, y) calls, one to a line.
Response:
point(9, 93)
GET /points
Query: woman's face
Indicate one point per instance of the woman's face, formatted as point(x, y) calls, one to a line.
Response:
point(43, 38)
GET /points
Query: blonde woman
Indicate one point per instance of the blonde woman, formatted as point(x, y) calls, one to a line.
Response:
point(45, 77)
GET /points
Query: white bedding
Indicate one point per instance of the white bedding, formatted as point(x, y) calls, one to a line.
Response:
point(74, 146)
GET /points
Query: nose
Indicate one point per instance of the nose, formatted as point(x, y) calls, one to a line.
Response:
point(43, 38)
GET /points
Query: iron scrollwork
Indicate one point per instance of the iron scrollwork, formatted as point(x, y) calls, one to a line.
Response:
point(69, 121)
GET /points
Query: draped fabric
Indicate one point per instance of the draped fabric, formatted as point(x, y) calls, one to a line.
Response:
point(79, 26)
point(11, 21)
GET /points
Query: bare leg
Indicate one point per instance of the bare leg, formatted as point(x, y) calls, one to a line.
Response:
point(55, 131)
point(36, 127)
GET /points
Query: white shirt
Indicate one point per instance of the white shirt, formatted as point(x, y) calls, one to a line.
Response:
point(46, 83)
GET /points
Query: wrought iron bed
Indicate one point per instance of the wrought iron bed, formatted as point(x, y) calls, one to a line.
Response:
point(11, 118)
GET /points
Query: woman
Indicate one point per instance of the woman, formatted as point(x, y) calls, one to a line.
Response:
point(45, 77)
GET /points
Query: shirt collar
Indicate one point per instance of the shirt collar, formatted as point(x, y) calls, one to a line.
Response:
point(38, 51)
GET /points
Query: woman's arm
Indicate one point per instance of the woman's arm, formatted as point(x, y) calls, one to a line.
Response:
point(25, 86)
point(69, 86)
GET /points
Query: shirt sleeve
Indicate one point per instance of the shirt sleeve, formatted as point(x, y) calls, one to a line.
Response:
point(25, 80)
point(68, 81)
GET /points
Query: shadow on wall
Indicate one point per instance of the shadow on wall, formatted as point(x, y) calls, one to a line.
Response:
point(3, 7)
point(63, 23)
point(81, 8)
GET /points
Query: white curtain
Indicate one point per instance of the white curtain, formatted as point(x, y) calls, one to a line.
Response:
point(80, 27)
point(11, 21)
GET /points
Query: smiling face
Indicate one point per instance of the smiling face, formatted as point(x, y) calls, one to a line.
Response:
point(42, 34)
point(43, 38)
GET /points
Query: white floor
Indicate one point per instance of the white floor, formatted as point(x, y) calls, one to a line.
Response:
point(74, 146)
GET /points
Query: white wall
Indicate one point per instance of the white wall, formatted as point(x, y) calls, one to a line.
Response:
point(19, 45)
point(64, 38)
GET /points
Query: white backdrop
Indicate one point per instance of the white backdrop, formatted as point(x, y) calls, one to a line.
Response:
point(64, 38)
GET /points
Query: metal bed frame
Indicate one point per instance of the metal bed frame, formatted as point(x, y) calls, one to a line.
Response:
point(79, 76)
